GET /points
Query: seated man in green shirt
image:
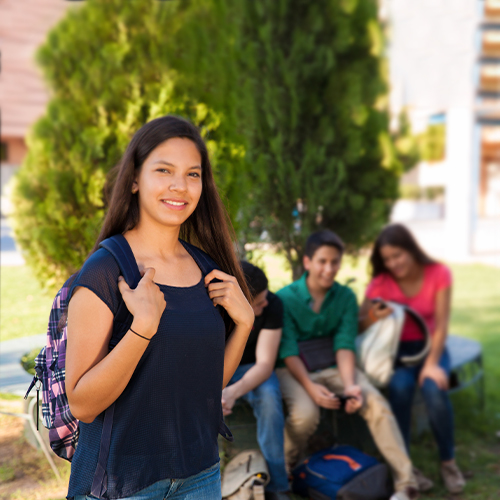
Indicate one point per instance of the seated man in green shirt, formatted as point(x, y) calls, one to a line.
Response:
point(317, 306)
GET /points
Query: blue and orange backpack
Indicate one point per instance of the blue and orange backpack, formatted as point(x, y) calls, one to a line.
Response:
point(342, 473)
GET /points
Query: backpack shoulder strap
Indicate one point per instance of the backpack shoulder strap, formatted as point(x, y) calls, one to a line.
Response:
point(207, 265)
point(204, 261)
point(119, 248)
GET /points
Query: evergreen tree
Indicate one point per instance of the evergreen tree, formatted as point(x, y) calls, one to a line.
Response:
point(318, 144)
point(289, 95)
point(111, 68)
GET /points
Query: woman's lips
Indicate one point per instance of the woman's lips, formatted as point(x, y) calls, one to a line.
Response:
point(175, 204)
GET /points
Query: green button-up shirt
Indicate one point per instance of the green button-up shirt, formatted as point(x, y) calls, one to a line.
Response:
point(337, 318)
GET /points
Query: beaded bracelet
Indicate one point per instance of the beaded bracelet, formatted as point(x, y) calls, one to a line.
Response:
point(139, 335)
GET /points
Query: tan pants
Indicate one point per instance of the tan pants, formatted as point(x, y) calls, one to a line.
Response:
point(303, 419)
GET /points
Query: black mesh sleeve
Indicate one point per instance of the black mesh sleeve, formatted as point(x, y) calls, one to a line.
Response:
point(100, 275)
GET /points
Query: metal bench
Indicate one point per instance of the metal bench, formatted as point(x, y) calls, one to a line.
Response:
point(466, 365)
point(466, 360)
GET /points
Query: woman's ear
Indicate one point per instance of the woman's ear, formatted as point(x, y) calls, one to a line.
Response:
point(135, 187)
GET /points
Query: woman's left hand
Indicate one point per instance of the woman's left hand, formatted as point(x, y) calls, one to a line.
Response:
point(436, 373)
point(227, 293)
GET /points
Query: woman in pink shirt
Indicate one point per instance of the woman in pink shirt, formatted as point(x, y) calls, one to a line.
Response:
point(403, 273)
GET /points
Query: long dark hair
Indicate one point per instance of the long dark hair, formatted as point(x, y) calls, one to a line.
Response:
point(396, 235)
point(208, 227)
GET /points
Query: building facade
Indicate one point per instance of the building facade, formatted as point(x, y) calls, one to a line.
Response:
point(445, 73)
point(23, 95)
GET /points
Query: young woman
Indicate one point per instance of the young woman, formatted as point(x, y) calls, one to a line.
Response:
point(403, 273)
point(167, 373)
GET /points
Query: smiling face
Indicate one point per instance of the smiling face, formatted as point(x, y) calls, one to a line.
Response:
point(323, 266)
point(169, 183)
point(397, 261)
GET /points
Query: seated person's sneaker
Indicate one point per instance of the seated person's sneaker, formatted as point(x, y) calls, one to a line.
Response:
point(409, 493)
point(277, 495)
point(423, 482)
point(452, 477)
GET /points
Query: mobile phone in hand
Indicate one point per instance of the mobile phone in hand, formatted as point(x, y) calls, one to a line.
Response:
point(343, 399)
point(380, 301)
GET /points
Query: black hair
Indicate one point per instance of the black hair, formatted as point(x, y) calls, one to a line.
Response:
point(255, 277)
point(322, 238)
point(396, 235)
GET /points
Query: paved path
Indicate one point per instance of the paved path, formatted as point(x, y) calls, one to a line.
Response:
point(13, 378)
point(9, 255)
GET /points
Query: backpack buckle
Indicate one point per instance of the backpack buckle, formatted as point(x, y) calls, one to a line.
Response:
point(33, 382)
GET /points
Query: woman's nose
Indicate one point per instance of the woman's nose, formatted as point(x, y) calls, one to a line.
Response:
point(178, 183)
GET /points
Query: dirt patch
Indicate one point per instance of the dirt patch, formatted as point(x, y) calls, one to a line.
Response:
point(25, 473)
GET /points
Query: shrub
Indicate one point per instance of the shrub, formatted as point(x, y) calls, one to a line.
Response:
point(319, 148)
point(108, 65)
point(28, 360)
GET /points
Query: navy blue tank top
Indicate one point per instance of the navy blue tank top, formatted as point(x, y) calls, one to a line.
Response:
point(166, 421)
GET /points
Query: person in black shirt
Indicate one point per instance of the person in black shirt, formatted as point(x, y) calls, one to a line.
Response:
point(256, 382)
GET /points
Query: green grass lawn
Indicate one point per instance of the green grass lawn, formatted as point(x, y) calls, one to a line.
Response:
point(476, 314)
point(24, 306)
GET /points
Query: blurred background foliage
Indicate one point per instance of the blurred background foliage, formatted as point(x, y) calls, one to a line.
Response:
point(288, 94)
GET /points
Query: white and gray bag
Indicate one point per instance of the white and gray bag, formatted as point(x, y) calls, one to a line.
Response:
point(377, 346)
point(245, 477)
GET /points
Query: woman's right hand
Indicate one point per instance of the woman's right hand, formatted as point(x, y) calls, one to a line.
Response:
point(379, 310)
point(146, 303)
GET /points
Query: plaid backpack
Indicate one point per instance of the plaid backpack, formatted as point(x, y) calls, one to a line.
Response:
point(50, 376)
point(50, 364)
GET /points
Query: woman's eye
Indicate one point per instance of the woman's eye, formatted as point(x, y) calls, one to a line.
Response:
point(163, 170)
point(194, 174)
